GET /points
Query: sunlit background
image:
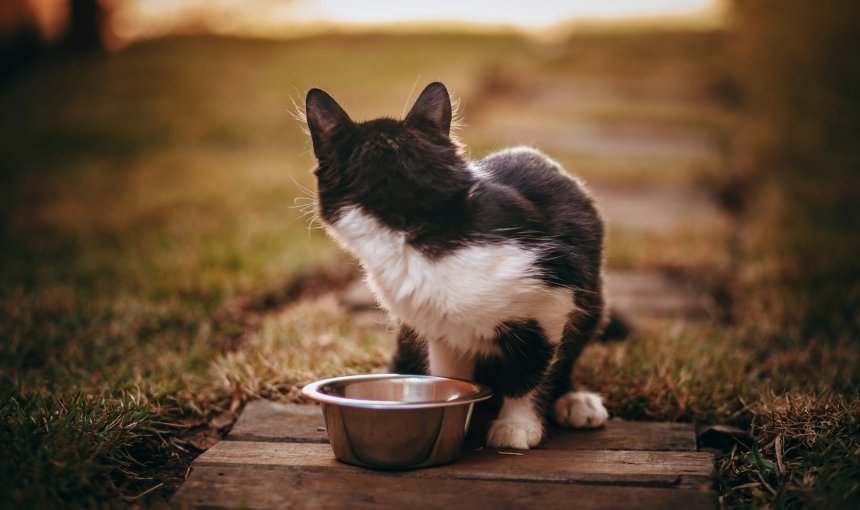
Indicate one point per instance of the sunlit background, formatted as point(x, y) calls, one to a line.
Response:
point(132, 20)
point(286, 18)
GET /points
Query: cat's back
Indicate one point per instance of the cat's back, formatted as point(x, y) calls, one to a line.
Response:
point(562, 200)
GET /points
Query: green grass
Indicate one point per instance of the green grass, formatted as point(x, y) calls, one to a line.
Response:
point(149, 196)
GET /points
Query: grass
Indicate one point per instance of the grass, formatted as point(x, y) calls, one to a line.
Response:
point(293, 347)
point(688, 249)
point(152, 217)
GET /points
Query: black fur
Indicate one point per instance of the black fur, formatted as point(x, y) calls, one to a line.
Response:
point(569, 230)
point(525, 357)
point(411, 354)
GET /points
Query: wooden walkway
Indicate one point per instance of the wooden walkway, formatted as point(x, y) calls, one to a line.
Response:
point(277, 456)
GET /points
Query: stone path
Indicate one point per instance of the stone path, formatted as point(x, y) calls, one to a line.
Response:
point(648, 294)
point(656, 207)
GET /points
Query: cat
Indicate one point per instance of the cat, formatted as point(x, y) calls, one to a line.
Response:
point(491, 268)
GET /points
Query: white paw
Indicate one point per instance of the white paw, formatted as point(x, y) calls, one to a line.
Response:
point(580, 409)
point(519, 434)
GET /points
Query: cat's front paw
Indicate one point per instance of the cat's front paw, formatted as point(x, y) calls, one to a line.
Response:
point(519, 434)
point(580, 409)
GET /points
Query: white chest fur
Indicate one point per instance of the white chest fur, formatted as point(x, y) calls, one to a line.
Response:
point(459, 298)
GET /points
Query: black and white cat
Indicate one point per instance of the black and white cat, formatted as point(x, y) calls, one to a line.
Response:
point(491, 268)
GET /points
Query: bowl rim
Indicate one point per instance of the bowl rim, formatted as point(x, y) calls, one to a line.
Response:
point(313, 392)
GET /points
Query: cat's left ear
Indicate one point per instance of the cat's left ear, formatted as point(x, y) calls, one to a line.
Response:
point(434, 104)
point(324, 117)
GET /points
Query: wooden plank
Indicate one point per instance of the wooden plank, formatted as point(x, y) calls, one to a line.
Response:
point(236, 487)
point(262, 420)
point(292, 423)
point(616, 467)
point(626, 435)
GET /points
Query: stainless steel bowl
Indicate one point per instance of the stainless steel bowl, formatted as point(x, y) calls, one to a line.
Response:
point(396, 421)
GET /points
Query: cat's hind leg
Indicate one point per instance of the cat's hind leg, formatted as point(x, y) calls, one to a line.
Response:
point(518, 374)
point(570, 408)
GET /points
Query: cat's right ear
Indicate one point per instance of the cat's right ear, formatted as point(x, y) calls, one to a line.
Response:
point(434, 105)
point(324, 117)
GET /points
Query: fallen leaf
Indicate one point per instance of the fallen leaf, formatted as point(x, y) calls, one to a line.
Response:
point(204, 439)
point(224, 419)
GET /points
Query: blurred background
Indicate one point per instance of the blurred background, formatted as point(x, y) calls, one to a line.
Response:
point(160, 263)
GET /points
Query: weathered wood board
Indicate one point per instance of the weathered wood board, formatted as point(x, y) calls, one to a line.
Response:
point(277, 456)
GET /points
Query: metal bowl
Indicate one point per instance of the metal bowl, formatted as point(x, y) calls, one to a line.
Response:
point(396, 421)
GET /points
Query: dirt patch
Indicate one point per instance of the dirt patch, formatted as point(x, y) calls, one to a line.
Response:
point(243, 313)
point(309, 285)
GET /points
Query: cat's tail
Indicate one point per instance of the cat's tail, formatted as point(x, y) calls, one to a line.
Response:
point(617, 329)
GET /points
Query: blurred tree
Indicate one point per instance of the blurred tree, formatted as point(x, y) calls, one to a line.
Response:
point(86, 18)
point(19, 36)
point(799, 66)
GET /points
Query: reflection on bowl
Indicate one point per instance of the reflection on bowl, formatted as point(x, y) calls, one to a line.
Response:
point(396, 421)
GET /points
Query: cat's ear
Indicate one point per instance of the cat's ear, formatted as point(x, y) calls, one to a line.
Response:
point(434, 104)
point(324, 116)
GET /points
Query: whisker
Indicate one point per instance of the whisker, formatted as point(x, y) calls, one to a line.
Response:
point(300, 186)
point(406, 103)
point(302, 207)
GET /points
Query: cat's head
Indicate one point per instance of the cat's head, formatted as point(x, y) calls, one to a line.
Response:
point(400, 171)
